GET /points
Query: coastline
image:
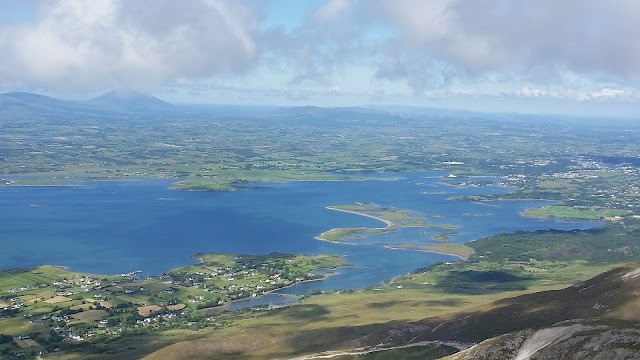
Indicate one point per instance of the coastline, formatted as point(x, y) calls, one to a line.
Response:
point(200, 260)
point(274, 292)
point(389, 223)
point(333, 241)
point(390, 247)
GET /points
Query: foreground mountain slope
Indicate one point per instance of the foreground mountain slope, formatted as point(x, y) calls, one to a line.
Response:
point(597, 318)
point(573, 339)
point(608, 301)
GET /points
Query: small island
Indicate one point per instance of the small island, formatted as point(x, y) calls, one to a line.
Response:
point(392, 217)
point(444, 237)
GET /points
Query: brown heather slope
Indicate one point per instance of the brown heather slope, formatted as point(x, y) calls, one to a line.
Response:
point(598, 318)
point(609, 302)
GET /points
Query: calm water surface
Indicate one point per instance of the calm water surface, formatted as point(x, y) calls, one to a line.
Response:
point(115, 227)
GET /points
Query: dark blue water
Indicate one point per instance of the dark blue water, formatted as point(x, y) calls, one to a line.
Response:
point(115, 227)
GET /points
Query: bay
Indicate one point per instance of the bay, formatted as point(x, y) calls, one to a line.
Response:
point(118, 227)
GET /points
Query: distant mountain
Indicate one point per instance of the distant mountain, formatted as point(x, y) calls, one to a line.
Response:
point(29, 104)
point(337, 116)
point(129, 101)
point(36, 99)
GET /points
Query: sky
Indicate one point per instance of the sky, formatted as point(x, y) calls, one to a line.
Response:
point(540, 56)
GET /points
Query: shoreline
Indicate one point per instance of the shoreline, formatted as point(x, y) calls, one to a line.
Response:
point(388, 222)
point(391, 247)
point(333, 241)
point(390, 225)
point(274, 292)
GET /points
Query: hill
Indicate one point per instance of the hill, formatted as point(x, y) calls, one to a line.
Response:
point(129, 101)
point(35, 103)
point(594, 319)
point(111, 103)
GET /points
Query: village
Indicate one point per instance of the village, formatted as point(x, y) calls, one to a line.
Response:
point(48, 308)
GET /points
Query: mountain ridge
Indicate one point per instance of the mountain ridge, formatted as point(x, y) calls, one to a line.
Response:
point(110, 102)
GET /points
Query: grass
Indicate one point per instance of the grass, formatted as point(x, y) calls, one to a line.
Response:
point(130, 299)
point(330, 320)
point(17, 278)
point(26, 343)
point(325, 321)
point(146, 311)
point(444, 237)
point(413, 353)
point(615, 243)
point(570, 212)
point(392, 217)
point(90, 316)
point(459, 250)
point(58, 300)
point(339, 234)
point(19, 326)
point(203, 185)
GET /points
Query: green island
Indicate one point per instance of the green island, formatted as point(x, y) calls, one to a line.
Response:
point(444, 237)
point(48, 308)
point(394, 218)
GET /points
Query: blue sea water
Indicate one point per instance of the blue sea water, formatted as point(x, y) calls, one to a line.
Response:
point(116, 227)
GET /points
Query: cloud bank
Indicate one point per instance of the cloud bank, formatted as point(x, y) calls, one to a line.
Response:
point(122, 44)
point(441, 41)
point(529, 48)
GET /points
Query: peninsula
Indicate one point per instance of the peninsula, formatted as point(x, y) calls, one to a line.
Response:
point(392, 217)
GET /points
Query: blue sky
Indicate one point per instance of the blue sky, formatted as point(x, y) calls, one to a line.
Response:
point(571, 56)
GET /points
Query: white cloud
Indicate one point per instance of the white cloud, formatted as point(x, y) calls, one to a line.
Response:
point(330, 10)
point(608, 93)
point(570, 49)
point(534, 40)
point(335, 89)
point(128, 44)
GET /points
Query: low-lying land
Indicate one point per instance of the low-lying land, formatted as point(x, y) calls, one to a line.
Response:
point(58, 309)
point(482, 287)
point(459, 250)
point(577, 212)
point(590, 169)
point(394, 218)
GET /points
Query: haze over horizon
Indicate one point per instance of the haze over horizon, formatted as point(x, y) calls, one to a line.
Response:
point(570, 57)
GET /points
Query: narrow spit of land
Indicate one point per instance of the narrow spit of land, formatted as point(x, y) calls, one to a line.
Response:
point(394, 220)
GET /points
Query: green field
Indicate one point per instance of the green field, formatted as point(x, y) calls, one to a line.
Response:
point(570, 212)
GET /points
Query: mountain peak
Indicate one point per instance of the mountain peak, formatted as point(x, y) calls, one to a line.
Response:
point(130, 100)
